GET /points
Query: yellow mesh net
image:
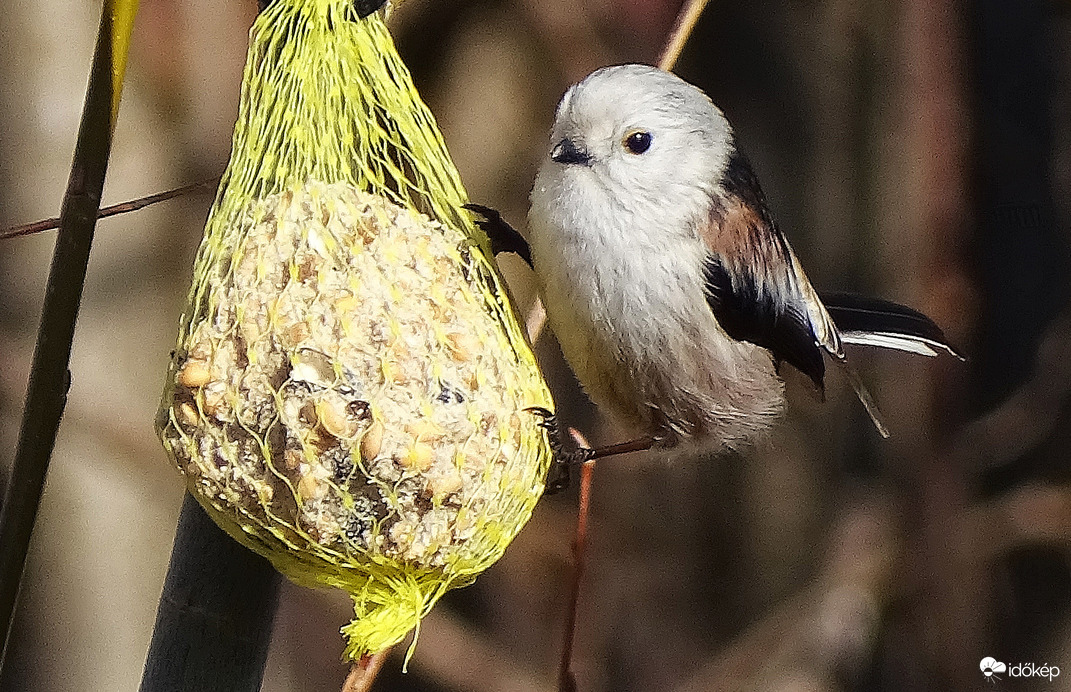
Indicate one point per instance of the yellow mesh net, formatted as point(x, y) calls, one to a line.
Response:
point(349, 394)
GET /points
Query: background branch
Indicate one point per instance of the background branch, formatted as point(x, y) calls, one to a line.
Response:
point(49, 377)
point(113, 210)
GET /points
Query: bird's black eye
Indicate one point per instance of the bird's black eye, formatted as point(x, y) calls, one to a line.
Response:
point(638, 142)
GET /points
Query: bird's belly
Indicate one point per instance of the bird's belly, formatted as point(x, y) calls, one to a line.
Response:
point(646, 348)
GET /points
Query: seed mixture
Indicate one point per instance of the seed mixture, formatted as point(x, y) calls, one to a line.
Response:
point(346, 385)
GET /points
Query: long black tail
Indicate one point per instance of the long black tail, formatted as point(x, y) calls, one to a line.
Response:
point(881, 323)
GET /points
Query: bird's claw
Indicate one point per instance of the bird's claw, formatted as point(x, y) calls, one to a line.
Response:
point(565, 456)
point(503, 237)
point(491, 217)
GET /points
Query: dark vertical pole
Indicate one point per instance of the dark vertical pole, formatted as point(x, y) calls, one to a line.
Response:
point(46, 394)
point(1023, 258)
point(214, 623)
point(1024, 270)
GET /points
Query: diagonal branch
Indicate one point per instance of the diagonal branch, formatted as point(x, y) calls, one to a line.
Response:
point(113, 210)
point(49, 377)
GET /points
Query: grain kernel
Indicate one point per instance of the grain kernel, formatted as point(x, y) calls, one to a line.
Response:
point(331, 412)
point(372, 441)
point(312, 366)
point(187, 414)
point(294, 335)
point(425, 429)
point(418, 457)
point(194, 373)
point(292, 458)
point(462, 347)
point(439, 487)
point(308, 487)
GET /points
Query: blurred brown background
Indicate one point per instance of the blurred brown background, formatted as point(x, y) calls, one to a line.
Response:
point(915, 149)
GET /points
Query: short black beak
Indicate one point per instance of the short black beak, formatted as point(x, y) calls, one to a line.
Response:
point(566, 151)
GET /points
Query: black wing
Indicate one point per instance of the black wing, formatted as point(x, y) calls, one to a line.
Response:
point(751, 278)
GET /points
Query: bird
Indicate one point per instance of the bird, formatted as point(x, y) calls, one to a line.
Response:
point(673, 294)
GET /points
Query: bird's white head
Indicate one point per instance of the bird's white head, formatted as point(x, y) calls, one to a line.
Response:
point(637, 141)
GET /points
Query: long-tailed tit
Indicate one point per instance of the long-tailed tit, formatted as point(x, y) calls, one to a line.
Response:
point(673, 294)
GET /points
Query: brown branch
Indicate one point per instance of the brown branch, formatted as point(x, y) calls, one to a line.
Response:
point(105, 212)
point(364, 672)
point(682, 29)
point(566, 679)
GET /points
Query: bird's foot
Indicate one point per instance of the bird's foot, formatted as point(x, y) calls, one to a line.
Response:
point(503, 237)
point(566, 455)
